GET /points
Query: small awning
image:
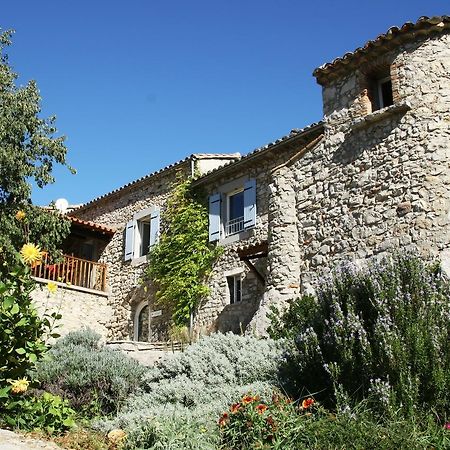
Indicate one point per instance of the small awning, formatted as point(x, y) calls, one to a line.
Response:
point(92, 226)
point(254, 251)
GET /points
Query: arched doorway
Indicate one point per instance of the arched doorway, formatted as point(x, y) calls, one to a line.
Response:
point(142, 322)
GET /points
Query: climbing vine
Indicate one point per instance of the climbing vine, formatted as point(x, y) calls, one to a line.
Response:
point(182, 260)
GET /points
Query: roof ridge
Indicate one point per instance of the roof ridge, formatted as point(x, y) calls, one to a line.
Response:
point(424, 25)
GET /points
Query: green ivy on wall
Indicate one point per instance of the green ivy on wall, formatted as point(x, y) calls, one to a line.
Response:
point(182, 260)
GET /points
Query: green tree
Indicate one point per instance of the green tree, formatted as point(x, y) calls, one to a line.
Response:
point(183, 259)
point(28, 151)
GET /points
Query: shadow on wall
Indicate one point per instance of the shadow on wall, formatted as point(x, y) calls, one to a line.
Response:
point(236, 317)
point(358, 140)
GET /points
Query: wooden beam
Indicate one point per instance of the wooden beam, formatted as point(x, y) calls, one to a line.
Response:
point(254, 270)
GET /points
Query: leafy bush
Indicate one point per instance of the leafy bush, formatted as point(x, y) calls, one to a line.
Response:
point(380, 333)
point(22, 331)
point(185, 392)
point(92, 378)
point(46, 412)
point(282, 424)
point(183, 258)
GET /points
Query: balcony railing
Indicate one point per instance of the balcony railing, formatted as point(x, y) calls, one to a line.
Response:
point(74, 271)
point(234, 226)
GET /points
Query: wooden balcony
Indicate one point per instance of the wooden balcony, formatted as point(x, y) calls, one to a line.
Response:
point(73, 271)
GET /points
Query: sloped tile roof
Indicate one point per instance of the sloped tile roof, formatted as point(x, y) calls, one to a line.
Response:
point(87, 224)
point(194, 156)
point(384, 42)
point(313, 129)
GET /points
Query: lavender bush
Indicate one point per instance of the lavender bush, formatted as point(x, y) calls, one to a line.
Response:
point(380, 333)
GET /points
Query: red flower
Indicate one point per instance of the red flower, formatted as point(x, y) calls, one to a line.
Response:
point(223, 420)
point(447, 426)
point(271, 422)
point(247, 399)
point(261, 408)
point(308, 402)
point(235, 407)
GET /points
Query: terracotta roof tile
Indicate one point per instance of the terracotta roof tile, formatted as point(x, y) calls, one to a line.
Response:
point(384, 42)
point(231, 156)
point(294, 134)
point(92, 225)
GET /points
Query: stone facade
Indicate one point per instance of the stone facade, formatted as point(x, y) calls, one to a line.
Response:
point(80, 308)
point(373, 176)
point(127, 293)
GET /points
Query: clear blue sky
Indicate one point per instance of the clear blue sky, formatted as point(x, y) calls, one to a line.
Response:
point(140, 84)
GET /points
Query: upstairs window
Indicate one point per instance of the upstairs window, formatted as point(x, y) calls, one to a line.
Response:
point(231, 212)
point(379, 84)
point(384, 92)
point(141, 233)
point(235, 213)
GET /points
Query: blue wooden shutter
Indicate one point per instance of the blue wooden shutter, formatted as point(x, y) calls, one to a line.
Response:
point(214, 217)
point(154, 227)
point(250, 203)
point(129, 240)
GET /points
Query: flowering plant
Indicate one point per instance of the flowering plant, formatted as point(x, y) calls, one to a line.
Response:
point(253, 423)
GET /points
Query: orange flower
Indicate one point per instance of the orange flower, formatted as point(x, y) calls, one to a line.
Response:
point(223, 420)
point(308, 402)
point(235, 407)
point(247, 399)
point(261, 408)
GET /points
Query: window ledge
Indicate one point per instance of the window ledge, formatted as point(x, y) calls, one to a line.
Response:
point(235, 237)
point(139, 261)
point(380, 114)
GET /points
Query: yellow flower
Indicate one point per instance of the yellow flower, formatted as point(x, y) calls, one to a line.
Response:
point(19, 386)
point(20, 215)
point(31, 254)
point(52, 287)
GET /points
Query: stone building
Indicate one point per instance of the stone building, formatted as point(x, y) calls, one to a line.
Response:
point(372, 176)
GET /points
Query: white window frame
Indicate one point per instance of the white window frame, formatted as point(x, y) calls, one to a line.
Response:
point(234, 277)
point(380, 82)
point(140, 218)
point(239, 225)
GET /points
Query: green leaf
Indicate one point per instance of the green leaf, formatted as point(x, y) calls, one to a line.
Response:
point(15, 309)
point(20, 351)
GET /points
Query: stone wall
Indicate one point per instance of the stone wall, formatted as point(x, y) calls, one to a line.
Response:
point(216, 313)
point(124, 277)
point(79, 308)
point(376, 183)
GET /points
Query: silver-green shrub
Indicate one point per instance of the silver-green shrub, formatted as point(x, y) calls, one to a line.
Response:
point(380, 333)
point(93, 378)
point(186, 392)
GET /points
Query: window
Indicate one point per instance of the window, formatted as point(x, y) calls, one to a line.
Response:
point(232, 210)
point(384, 92)
point(235, 213)
point(141, 233)
point(235, 288)
point(379, 84)
point(143, 237)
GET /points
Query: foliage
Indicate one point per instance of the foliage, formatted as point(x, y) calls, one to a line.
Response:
point(282, 424)
point(22, 330)
point(183, 258)
point(172, 433)
point(46, 412)
point(28, 151)
point(191, 388)
point(94, 379)
point(380, 333)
